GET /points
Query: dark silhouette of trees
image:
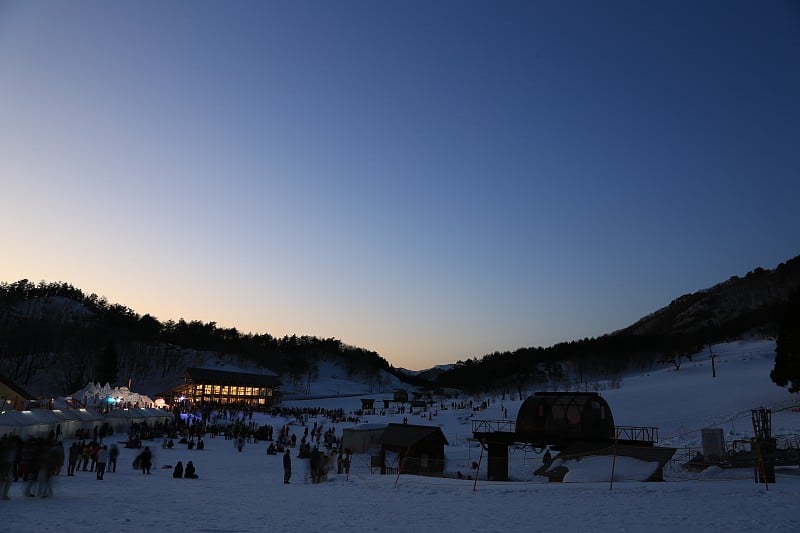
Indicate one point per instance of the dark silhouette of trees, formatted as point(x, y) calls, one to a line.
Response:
point(43, 324)
point(92, 339)
point(106, 369)
point(787, 351)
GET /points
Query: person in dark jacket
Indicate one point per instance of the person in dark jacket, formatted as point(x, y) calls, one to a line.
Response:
point(189, 473)
point(102, 459)
point(287, 466)
point(146, 460)
point(113, 453)
point(74, 454)
point(178, 472)
point(59, 450)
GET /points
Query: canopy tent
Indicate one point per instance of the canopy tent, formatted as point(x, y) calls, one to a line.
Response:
point(68, 425)
point(86, 419)
point(120, 419)
point(24, 424)
point(48, 418)
point(154, 415)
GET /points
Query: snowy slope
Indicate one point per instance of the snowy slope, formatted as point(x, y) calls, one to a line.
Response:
point(243, 492)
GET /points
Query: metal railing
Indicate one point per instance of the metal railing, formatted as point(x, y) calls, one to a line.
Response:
point(491, 426)
point(646, 434)
point(637, 433)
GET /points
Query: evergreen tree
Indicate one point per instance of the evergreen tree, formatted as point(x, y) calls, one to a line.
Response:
point(107, 365)
point(787, 351)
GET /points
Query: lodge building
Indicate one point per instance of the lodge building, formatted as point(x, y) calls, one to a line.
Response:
point(12, 396)
point(202, 386)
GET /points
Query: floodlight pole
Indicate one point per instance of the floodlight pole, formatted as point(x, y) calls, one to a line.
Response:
point(713, 362)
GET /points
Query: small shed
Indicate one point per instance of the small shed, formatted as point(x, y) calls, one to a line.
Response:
point(368, 405)
point(400, 395)
point(361, 438)
point(413, 449)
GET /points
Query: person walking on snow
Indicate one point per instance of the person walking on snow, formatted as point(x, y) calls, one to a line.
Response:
point(113, 453)
point(287, 466)
point(146, 460)
point(102, 458)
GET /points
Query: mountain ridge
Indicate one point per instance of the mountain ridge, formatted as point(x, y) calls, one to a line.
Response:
point(52, 325)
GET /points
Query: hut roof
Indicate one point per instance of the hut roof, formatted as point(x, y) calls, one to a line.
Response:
point(366, 427)
point(410, 434)
point(84, 415)
point(223, 377)
point(22, 393)
point(18, 418)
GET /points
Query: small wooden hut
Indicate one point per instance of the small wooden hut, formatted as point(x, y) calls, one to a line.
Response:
point(412, 449)
point(368, 405)
point(400, 395)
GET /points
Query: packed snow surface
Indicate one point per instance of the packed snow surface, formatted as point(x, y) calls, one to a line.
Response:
point(244, 491)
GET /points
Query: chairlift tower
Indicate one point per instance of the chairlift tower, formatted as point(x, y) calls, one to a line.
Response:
point(764, 446)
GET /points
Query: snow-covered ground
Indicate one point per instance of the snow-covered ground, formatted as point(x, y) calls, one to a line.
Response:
point(244, 492)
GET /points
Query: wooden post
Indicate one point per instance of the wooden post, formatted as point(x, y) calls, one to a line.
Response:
point(480, 458)
point(614, 460)
point(402, 462)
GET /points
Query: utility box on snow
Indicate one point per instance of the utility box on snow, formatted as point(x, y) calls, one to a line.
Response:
point(713, 445)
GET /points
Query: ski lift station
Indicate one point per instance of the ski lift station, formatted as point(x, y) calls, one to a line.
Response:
point(576, 424)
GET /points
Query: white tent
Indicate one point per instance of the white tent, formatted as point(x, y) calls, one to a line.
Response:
point(153, 415)
point(24, 424)
point(68, 425)
point(47, 418)
point(119, 420)
point(87, 419)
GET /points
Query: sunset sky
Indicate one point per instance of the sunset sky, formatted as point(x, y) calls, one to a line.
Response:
point(431, 180)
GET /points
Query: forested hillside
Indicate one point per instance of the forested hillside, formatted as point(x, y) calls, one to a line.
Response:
point(55, 330)
point(750, 306)
point(54, 339)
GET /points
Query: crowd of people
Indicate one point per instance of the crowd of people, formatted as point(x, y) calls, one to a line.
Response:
point(34, 461)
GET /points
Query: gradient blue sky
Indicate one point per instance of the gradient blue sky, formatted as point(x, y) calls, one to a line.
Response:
point(430, 180)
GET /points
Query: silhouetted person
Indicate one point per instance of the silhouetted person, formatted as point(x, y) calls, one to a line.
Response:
point(287, 466)
point(178, 472)
point(189, 473)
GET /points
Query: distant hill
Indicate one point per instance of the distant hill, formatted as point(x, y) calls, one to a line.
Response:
point(54, 339)
point(748, 307)
point(429, 374)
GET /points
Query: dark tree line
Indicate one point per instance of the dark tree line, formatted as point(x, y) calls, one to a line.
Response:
point(588, 360)
point(92, 339)
point(787, 351)
point(88, 338)
point(752, 305)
